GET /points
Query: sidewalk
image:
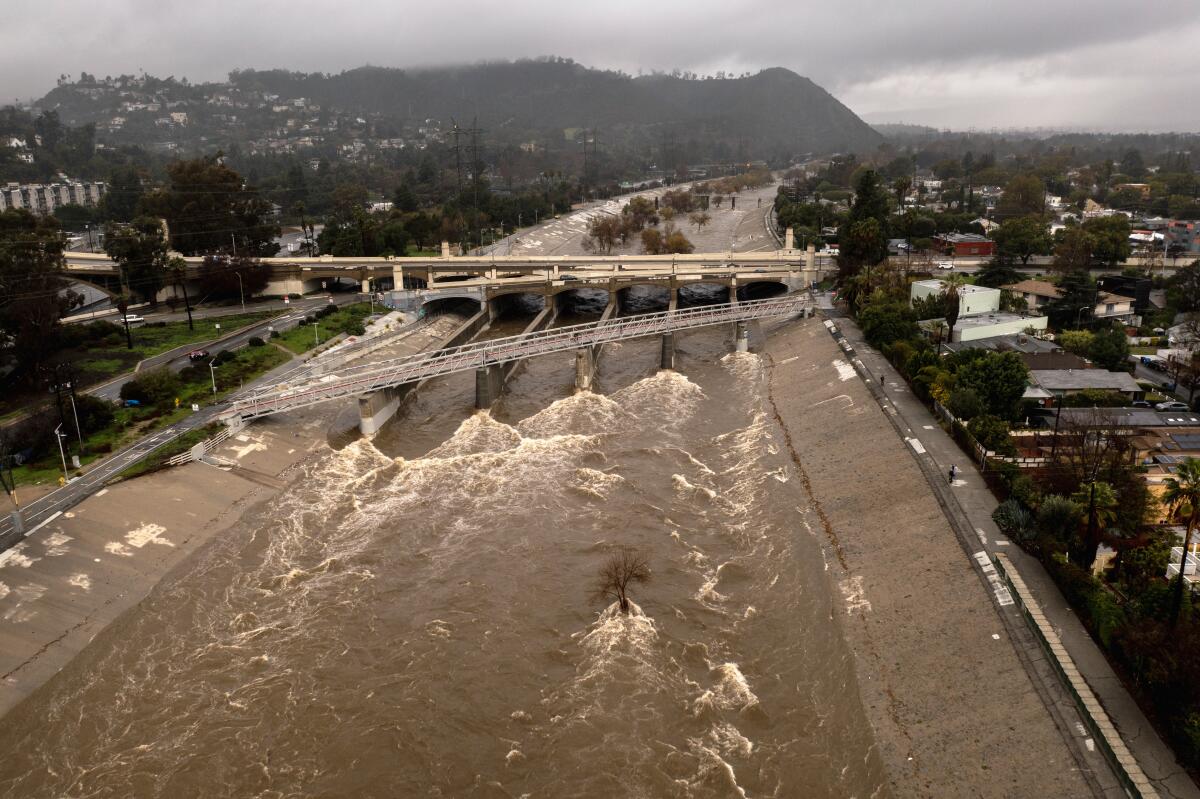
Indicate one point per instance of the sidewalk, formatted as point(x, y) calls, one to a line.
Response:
point(976, 502)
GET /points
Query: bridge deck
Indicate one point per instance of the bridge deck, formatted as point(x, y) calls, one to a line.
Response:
point(365, 378)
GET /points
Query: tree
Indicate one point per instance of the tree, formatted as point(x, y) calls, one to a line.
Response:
point(218, 276)
point(862, 238)
point(1110, 348)
point(652, 241)
point(1073, 251)
point(33, 291)
point(210, 209)
point(1022, 237)
point(404, 199)
point(699, 219)
point(1024, 195)
point(951, 285)
point(125, 192)
point(678, 243)
point(1077, 341)
point(140, 250)
point(1109, 237)
point(1182, 496)
point(1076, 301)
point(1132, 164)
point(998, 379)
point(1099, 502)
point(624, 568)
point(887, 322)
point(996, 273)
point(177, 269)
point(603, 233)
point(641, 212)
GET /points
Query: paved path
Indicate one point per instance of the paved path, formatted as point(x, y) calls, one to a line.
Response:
point(977, 502)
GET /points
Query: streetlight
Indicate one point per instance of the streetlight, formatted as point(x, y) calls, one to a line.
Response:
point(59, 435)
point(212, 370)
point(241, 293)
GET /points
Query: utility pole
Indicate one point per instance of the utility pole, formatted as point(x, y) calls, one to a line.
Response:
point(475, 131)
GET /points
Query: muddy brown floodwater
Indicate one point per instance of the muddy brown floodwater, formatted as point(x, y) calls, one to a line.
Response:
point(411, 617)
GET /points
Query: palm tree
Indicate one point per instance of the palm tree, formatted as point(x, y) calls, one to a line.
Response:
point(1182, 497)
point(1100, 501)
point(178, 269)
point(952, 283)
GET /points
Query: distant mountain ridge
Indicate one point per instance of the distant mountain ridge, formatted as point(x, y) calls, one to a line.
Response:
point(775, 109)
point(773, 115)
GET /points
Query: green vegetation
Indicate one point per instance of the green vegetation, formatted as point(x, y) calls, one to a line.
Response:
point(107, 428)
point(323, 325)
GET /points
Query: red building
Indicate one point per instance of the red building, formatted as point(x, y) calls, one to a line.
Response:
point(969, 244)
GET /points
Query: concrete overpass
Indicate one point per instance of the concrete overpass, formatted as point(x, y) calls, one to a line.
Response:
point(497, 273)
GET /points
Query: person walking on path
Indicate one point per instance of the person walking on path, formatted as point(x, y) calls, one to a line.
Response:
point(953, 473)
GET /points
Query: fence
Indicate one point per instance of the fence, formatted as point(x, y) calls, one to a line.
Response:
point(200, 450)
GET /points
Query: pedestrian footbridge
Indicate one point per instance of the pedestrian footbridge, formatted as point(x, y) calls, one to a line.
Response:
point(377, 377)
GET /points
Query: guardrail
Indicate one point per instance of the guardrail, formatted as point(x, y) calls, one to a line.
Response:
point(205, 447)
point(373, 377)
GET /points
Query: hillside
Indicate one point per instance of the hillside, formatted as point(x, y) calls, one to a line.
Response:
point(772, 115)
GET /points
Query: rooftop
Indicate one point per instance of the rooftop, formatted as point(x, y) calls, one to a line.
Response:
point(963, 238)
point(989, 319)
point(1042, 288)
point(1011, 342)
point(1081, 379)
point(1129, 417)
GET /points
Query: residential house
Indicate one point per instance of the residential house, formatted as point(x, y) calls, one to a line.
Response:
point(1183, 235)
point(966, 244)
point(1040, 293)
point(1061, 382)
point(972, 300)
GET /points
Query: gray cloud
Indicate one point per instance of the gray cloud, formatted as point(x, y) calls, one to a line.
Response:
point(1019, 63)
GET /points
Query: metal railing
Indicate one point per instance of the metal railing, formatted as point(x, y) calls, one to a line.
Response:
point(366, 378)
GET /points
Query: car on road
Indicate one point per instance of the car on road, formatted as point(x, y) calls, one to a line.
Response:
point(568, 277)
point(133, 319)
point(1140, 404)
point(1171, 405)
point(944, 264)
point(196, 355)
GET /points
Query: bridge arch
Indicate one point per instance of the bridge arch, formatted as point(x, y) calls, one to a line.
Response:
point(457, 304)
point(644, 297)
point(761, 290)
point(704, 292)
point(582, 300)
point(516, 302)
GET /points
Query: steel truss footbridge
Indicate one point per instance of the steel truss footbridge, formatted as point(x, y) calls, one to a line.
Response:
point(369, 377)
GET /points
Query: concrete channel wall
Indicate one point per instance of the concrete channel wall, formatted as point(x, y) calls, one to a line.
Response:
point(1126, 767)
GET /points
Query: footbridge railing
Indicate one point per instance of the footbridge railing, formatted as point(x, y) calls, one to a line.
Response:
point(368, 377)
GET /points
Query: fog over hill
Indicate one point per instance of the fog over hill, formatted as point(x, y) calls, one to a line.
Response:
point(774, 114)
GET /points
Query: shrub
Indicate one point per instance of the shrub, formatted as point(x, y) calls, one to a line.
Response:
point(1057, 518)
point(224, 356)
point(356, 329)
point(965, 404)
point(274, 334)
point(153, 387)
point(255, 341)
point(302, 322)
point(1014, 520)
point(992, 433)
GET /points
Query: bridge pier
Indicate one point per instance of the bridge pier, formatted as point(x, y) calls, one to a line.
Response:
point(585, 369)
point(376, 408)
point(741, 337)
point(487, 386)
point(667, 359)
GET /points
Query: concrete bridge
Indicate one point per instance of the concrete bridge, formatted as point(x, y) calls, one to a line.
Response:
point(483, 278)
point(375, 384)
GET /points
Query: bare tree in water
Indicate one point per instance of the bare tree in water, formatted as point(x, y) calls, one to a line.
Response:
point(623, 568)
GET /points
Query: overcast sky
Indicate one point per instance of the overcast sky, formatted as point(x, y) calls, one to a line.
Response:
point(1103, 64)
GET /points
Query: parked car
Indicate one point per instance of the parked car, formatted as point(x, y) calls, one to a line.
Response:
point(196, 355)
point(1171, 405)
point(1140, 404)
